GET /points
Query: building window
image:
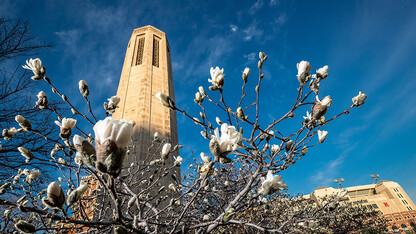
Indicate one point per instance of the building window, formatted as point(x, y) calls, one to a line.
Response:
point(155, 52)
point(140, 48)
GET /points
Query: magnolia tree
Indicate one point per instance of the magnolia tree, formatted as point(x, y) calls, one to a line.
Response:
point(236, 186)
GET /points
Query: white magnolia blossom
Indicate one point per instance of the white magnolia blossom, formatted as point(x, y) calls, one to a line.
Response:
point(166, 150)
point(304, 68)
point(118, 131)
point(217, 77)
point(78, 139)
point(204, 157)
point(227, 142)
point(178, 161)
point(31, 175)
point(326, 101)
point(322, 135)
point(271, 183)
point(67, 123)
point(308, 117)
point(275, 148)
point(113, 101)
point(322, 72)
point(35, 65)
point(359, 99)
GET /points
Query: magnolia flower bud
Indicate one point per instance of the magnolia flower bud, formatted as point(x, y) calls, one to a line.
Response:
point(246, 72)
point(165, 151)
point(359, 99)
point(24, 123)
point(24, 226)
point(31, 175)
point(206, 218)
point(61, 161)
point(198, 98)
point(262, 56)
point(303, 72)
point(75, 195)
point(322, 72)
point(240, 113)
point(83, 88)
point(42, 100)
point(8, 133)
point(304, 150)
point(156, 136)
point(228, 215)
point(172, 187)
point(55, 196)
point(166, 100)
point(26, 153)
point(111, 139)
point(322, 135)
point(120, 230)
point(202, 91)
point(204, 135)
point(218, 120)
point(288, 145)
point(35, 65)
point(66, 127)
point(217, 77)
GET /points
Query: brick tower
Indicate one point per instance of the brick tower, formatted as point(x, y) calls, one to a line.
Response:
point(147, 70)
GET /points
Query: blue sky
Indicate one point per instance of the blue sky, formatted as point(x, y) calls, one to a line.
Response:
point(368, 45)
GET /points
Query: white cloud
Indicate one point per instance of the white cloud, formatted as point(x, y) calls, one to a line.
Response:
point(256, 6)
point(281, 19)
point(233, 27)
point(252, 31)
point(250, 57)
point(273, 2)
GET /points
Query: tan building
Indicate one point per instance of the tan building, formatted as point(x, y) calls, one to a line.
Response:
point(387, 197)
point(147, 70)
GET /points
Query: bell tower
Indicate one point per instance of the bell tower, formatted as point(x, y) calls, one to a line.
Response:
point(147, 70)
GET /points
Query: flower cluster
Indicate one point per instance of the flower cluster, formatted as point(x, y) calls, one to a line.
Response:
point(271, 184)
point(111, 106)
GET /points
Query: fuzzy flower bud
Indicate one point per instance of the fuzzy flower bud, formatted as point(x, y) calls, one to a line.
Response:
point(165, 100)
point(202, 91)
point(26, 153)
point(275, 149)
point(24, 226)
point(198, 98)
point(75, 195)
point(165, 151)
point(111, 106)
point(303, 72)
point(24, 123)
point(35, 65)
point(42, 100)
point(8, 133)
point(321, 107)
point(83, 88)
point(55, 196)
point(246, 72)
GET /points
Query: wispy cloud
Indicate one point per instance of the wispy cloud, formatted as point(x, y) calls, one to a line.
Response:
point(252, 31)
point(256, 6)
point(250, 57)
point(233, 27)
point(273, 2)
